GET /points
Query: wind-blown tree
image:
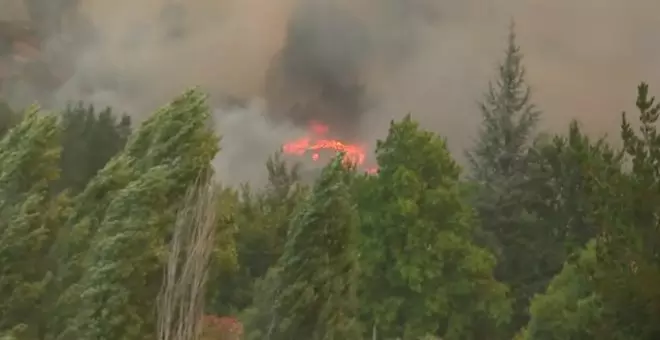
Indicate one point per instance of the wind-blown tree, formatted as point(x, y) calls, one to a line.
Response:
point(424, 275)
point(123, 219)
point(314, 284)
point(29, 156)
point(499, 171)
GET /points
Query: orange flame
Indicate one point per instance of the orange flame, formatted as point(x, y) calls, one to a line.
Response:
point(314, 142)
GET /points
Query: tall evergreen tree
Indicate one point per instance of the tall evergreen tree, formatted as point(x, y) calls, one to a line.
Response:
point(314, 293)
point(424, 275)
point(29, 156)
point(508, 120)
point(122, 220)
point(500, 172)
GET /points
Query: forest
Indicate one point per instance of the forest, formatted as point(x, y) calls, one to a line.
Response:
point(110, 231)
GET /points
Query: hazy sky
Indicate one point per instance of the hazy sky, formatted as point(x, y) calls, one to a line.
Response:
point(432, 58)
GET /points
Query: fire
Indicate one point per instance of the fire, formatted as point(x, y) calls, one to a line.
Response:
point(316, 141)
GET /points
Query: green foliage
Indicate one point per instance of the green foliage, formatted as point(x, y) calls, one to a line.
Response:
point(314, 289)
point(424, 274)
point(500, 173)
point(125, 215)
point(261, 218)
point(29, 154)
point(509, 119)
point(628, 249)
point(89, 140)
point(570, 308)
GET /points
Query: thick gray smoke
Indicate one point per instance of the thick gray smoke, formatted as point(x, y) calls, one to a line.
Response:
point(319, 74)
point(356, 64)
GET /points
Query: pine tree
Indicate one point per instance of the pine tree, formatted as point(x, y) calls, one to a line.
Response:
point(315, 288)
point(499, 168)
point(122, 220)
point(29, 156)
point(423, 273)
point(509, 119)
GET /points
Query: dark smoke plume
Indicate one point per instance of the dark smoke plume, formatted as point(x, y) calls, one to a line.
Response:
point(318, 74)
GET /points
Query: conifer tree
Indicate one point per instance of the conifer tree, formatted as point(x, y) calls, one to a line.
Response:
point(29, 156)
point(122, 219)
point(508, 120)
point(314, 293)
point(499, 168)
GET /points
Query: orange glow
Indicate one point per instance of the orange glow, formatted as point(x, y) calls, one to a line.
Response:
point(315, 142)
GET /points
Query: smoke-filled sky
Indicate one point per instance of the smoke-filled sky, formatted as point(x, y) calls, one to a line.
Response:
point(357, 64)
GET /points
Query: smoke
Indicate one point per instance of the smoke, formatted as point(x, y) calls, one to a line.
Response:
point(356, 64)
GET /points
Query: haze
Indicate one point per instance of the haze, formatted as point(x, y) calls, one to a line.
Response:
point(430, 58)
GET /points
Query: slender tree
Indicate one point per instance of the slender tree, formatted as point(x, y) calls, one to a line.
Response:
point(29, 156)
point(122, 220)
point(314, 293)
point(500, 171)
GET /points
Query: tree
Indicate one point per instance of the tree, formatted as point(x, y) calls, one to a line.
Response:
point(182, 296)
point(261, 218)
point(89, 140)
point(629, 244)
point(564, 174)
point(570, 308)
point(314, 294)
point(499, 169)
point(125, 215)
point(423, 272)
point(508, 120)
point(29, 218)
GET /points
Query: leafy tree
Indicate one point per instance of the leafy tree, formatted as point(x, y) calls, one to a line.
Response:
point(314, 293)
point(499, 167)
point(570, 308)
point(29, 154)
point(89, 140)
point(125, 215)
point(423, 272)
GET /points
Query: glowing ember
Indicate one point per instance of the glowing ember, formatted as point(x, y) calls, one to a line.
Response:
point(353, 153)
